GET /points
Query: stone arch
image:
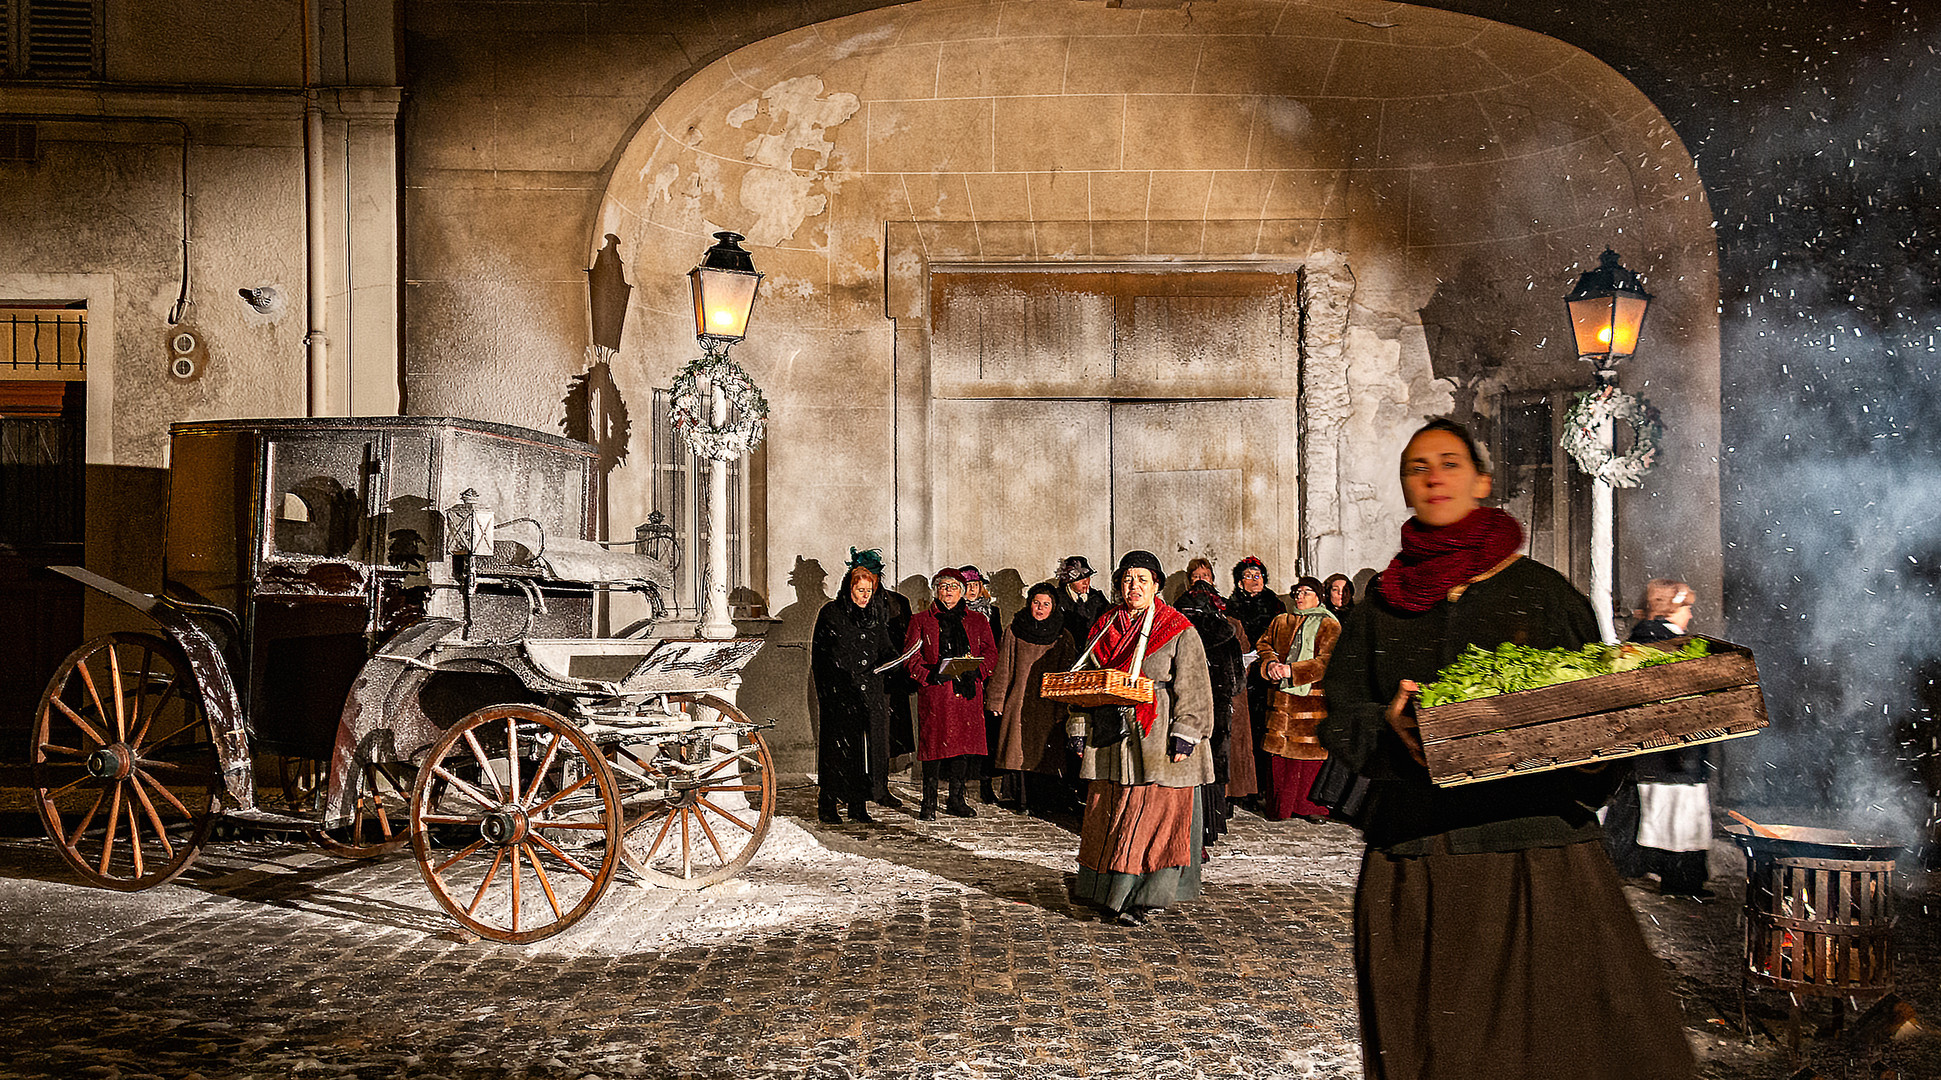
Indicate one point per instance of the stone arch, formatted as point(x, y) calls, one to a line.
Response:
point(1416, 160)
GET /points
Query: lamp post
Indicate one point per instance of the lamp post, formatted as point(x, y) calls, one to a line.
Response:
point(724, 418)
point(1607, 311)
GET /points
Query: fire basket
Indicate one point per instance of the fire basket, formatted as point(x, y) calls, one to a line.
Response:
point(1819, 916)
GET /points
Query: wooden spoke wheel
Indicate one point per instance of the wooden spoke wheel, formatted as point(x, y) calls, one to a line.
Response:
point(515, 819)
point(124, 771)
point(379, 823)
point(699, 806)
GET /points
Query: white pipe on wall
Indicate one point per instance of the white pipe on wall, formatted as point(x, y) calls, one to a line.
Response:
point(317, 274)
point(317, 243)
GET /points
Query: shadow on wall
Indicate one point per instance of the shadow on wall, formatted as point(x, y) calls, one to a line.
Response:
point(1468, 338)
point(1007, 589)
point(775, 685)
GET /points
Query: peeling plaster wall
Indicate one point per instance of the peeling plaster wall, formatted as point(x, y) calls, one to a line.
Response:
point(1414, 160)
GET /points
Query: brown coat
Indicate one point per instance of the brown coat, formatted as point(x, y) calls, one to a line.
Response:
point(1293, 719)
point(1032, 736)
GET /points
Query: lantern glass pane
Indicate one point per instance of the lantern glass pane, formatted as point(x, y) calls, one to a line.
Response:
point(1628, 318)
point(723, 300)
point(1590, 320)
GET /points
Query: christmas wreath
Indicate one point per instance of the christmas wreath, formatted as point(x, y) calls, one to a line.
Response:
point(693, 408)
point(1583, 435)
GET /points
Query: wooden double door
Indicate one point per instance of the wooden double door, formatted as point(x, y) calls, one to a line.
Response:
point(1034, 481)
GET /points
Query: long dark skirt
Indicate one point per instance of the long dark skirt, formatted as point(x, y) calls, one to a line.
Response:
point(1139, 846)
point(1516, 965)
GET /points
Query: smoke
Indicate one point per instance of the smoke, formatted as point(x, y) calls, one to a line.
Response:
point(1830, 246)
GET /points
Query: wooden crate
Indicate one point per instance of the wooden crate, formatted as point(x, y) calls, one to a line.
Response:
point(1710, 699)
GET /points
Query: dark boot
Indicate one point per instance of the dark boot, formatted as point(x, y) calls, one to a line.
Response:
point(985, 791)
point(957, 807)
point(928, 810)
point(886, 800)
point(825, 812)
point(859, 813)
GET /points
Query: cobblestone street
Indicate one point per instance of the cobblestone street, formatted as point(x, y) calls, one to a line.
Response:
point(902, 949)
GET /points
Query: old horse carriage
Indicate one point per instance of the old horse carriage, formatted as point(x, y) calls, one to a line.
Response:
point(378, 633)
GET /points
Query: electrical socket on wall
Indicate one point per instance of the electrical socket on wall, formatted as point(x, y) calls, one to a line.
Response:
point(188, 354)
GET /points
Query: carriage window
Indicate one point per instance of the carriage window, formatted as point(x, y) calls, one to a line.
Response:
point(315, 503)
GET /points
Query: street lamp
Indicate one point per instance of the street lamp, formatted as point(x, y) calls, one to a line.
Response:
point(717, 407)
point(1606, 313)
point(724, 293)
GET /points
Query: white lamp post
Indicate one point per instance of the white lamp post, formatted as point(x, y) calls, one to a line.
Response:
point(1607, 310)
point(724, 287)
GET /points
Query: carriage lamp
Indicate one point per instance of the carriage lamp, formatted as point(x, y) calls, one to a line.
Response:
point(469, 525)
point(1606, 311)
point(724, 292)
point(469, 528)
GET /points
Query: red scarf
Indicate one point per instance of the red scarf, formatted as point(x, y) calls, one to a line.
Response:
point(1120, 643)
point(1434, 560)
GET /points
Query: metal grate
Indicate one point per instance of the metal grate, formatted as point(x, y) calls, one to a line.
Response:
point(43, 344)
point(679, 493)
point(61, 38)
point(19, 143)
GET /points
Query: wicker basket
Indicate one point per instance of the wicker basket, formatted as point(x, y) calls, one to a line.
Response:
point(1096, 687)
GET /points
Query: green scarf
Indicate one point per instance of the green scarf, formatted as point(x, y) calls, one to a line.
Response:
point(1309, 629)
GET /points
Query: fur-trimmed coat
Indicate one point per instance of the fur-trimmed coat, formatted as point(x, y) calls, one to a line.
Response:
point(1293, 720)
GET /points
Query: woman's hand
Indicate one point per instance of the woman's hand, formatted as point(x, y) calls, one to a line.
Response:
point(1401, 718)
point(1275, 671)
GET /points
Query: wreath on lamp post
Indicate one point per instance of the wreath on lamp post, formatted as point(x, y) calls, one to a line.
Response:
point(1584, 429)
point(693, 410)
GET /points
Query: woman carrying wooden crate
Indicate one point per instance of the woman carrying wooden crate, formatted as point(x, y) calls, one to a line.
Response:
point(1492, 937)
point(1139, 848)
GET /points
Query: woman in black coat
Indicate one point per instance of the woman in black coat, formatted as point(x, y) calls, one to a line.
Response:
point(852, 753)
point(1256, 606)
point(1492, 936)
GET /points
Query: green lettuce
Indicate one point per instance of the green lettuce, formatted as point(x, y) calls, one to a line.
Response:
point(1481, 673)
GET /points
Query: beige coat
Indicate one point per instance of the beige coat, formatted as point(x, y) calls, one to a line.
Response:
point(1293, 719)
point(1184, 699)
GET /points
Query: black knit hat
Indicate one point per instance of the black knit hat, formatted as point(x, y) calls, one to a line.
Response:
point(1138, 558)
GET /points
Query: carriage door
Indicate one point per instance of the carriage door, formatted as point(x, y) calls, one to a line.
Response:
point(311, 605)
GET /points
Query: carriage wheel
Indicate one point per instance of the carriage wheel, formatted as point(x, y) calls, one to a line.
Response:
point(515, 820)
point(379, 824)
point(124, 770)
point(709, 799)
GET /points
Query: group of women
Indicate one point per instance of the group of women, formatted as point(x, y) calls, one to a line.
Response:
point(1264, 669)
point(1492, 936)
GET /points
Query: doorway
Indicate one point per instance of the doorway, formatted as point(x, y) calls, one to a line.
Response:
point(43, 425)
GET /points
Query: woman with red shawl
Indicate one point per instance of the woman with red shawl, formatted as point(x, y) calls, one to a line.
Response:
point(1139, 847)
point(1492, 937)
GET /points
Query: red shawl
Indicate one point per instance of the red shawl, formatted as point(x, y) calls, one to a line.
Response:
point(1434, 560)
point(1120, 642)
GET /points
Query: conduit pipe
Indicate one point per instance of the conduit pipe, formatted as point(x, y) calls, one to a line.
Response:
point(317, 278)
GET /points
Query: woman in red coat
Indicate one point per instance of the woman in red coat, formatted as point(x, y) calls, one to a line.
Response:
point(950, 710)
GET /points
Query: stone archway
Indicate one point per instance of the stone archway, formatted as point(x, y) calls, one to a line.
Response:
point(1377, 154)
point(858, 152)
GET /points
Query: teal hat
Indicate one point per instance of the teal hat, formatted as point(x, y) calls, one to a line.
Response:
point(870, 560)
